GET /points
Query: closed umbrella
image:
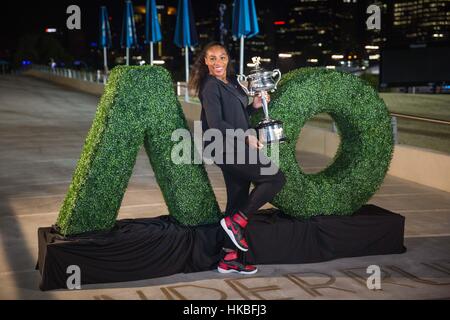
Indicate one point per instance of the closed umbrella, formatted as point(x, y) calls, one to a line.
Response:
point(129, 38)
point(185, 33)
point(152, 29)
point(244, 25)
point(105, 35)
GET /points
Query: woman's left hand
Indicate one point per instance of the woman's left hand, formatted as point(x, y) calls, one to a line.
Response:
point(257, 100)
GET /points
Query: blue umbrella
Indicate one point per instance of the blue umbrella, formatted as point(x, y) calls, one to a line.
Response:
point(105, 35)
point(185, 33)
point(152, 29)
point(245, 24)
point(129, 38)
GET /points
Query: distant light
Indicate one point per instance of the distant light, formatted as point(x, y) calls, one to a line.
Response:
point(171, 11)
point(140, 9)
point(374, 57)
point(370, 47)
point(285, 55)
point(279, 23)
point(363, 67)
point(331, 67)
point(77, 62)
point(93, 44)
point(313, 60)
point(337, 56)
point(158, 62)
point(251, 65)
point(349, 57)
point(50, 30)
point(26, 62)
point(265, 59)
point(438, 35)
point(319, 44)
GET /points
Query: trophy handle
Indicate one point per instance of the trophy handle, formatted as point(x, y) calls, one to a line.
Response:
point(243, 78)
point(274, 73)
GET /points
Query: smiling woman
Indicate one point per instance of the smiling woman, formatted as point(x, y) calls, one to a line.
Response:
point(212, 54)
point(217, 61)
point(226, 108)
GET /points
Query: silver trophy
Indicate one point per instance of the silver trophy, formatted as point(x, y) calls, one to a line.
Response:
point(259, 81)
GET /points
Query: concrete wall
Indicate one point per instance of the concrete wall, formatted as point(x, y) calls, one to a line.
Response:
point(419, 165)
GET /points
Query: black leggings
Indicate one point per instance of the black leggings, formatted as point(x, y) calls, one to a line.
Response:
point(238, 178)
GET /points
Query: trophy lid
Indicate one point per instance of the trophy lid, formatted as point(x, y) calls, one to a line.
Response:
point(257, 63)
point(257, 70)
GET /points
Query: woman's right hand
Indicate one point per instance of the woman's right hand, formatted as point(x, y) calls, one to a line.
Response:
point(253, 142)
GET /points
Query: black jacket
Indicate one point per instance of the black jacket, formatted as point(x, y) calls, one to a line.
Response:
point(224, 106)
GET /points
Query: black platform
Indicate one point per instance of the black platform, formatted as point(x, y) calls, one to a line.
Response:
point(145, 248)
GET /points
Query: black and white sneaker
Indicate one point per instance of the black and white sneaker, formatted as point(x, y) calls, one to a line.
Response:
point(231, 264)
point(234, 226)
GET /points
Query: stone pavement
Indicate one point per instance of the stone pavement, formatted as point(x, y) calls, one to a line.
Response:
point(42, 130)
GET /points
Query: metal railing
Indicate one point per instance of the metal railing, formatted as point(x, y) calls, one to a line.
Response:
point(99, 76)
point(394, 117)
point(394, 122)
point(431, 120)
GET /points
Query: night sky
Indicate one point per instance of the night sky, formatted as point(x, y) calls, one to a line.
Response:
point(18, 18)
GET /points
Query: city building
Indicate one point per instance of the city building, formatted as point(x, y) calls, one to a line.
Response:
point(412, 22)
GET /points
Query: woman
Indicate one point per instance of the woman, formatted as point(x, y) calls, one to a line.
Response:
point(226, 106)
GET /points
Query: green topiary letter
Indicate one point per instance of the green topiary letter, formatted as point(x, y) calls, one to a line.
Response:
point(365, 151)
point(138, 107)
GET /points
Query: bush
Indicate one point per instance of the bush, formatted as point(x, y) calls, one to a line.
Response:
point(365, 151)
point(138, 107)
point(371, 79)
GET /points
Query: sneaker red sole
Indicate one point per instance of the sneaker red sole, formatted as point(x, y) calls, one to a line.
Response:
point(231, 235)
point(236, 271)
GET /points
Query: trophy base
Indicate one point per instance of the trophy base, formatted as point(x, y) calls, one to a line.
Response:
point(270, 131)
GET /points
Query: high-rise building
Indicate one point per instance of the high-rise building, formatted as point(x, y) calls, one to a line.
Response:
point(418, 22)
point(319, 32)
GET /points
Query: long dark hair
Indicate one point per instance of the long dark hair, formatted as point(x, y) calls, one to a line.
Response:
point(200, 69)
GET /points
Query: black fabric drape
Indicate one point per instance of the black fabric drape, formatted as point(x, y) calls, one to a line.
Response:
point(276, 238)
point(135, 249)
point(145, 248)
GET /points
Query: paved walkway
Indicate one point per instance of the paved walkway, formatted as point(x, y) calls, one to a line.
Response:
point(42, 130)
